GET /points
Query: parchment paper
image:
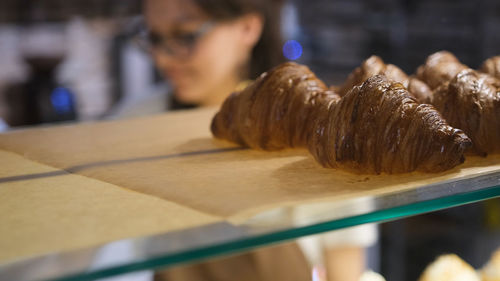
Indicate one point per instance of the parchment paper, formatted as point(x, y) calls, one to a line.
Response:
point(175, 166)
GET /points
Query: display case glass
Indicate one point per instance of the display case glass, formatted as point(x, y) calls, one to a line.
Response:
point(274, 226)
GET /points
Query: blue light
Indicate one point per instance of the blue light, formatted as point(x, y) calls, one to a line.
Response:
point(292, 50)
point(62, 100)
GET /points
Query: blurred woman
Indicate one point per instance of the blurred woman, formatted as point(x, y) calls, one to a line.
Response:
point(207, 49)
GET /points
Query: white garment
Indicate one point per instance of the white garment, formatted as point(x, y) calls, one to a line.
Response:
point(153, 101)
point(313, 246)
point(117, 252)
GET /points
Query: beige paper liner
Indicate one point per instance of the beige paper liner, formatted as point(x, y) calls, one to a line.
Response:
point(172, 162)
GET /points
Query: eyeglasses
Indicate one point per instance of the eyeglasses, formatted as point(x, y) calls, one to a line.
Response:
point(179, 45)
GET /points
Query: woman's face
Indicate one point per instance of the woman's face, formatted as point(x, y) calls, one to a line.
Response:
point(210, 71)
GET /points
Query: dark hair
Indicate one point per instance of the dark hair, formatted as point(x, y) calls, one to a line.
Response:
point(267, 52)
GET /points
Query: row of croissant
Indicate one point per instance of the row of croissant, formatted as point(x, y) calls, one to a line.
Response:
point(451, 267)
point(379, 120)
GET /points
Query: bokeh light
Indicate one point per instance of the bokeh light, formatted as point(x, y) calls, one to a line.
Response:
point(292, 50)
point(62, 100)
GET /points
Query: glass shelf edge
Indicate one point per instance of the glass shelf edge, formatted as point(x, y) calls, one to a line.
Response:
point(382, 215)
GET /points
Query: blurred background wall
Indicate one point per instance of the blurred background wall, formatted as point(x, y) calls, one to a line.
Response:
point(74, 60)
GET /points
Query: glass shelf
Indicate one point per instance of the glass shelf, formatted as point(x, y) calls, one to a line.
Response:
point(278, 225)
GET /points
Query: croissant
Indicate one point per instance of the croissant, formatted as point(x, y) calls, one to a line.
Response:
point(492, 66)
point(439, 68)
point(491, 271)
point(418, 89)
point(371, 276)
point(375, 65)
point(275, 111)
point(379, 127)
point(449, 267)
point(376, 127)
point(471, 102)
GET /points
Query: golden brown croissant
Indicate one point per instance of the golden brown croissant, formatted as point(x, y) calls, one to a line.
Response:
point(439, 68)
point(418, 89)
point(471, 102)
point(275, 111)
point(376, 127)
point(492, 66)
point(491, 271)
point(449, 267)
point(379, 127)
point(375, 65)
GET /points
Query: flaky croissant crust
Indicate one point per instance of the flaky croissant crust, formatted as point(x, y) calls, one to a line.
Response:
point(376, 127)
point(374, 65)
point(439, 68)
point(275, 111)
point(471, 102)
point(491, 66)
